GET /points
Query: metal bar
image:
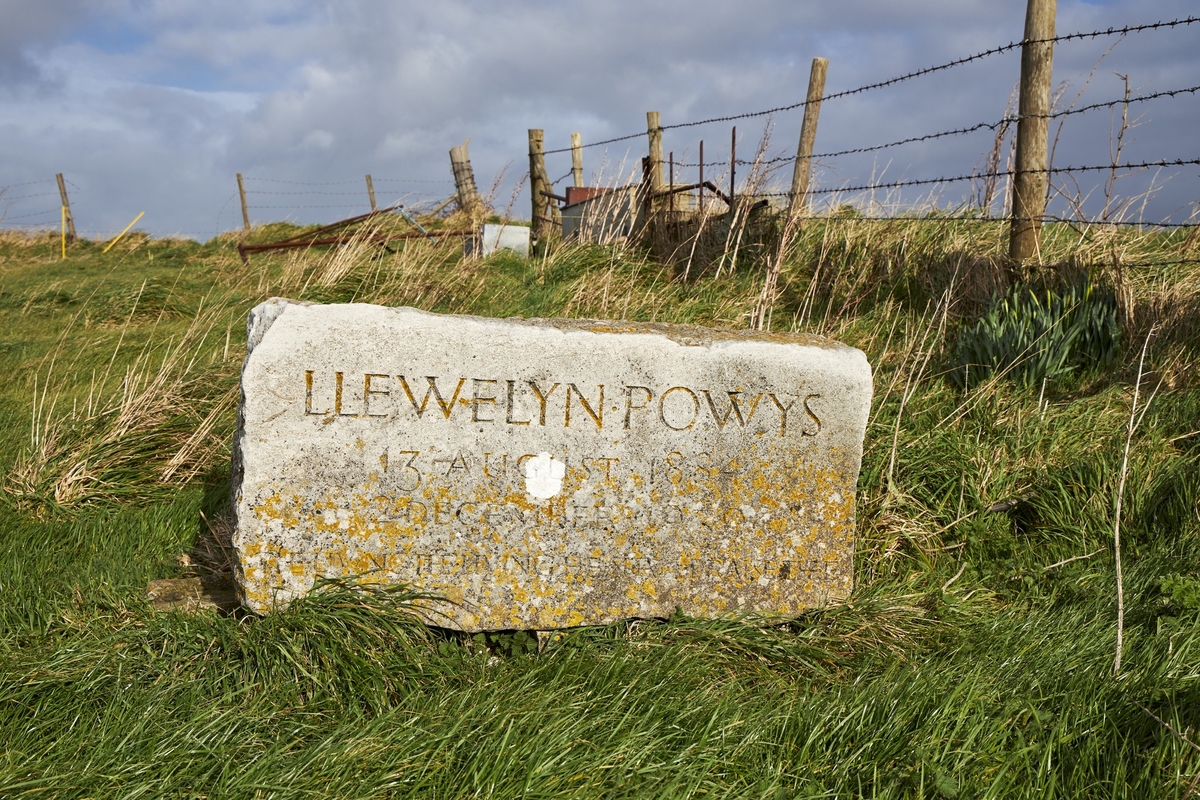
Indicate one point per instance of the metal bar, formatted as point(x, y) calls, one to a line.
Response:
point(688, 187)
point(340, 223)
point(409, 217)
point(379, 238)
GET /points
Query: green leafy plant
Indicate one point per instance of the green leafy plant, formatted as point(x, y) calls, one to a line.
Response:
point(1180, 592)
point(1032, 335)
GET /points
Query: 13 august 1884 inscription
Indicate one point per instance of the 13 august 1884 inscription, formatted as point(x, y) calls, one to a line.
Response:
point(543, 474)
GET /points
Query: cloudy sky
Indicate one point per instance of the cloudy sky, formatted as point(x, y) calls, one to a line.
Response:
point(154, 105)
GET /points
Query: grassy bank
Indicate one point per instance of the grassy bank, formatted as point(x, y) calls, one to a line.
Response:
point(975, 659)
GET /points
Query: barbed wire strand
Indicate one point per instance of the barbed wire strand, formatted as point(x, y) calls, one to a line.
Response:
point(363, 193)
point(1111, 31)
point(444, 182)
point(26, 196)
point(342, 183)
point(26, 183)
point(42, 213)
point(1166, 162)
point(834, 217)
point(991, 126)
point(254, 208)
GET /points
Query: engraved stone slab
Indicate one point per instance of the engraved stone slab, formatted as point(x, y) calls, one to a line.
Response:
point(541, 474)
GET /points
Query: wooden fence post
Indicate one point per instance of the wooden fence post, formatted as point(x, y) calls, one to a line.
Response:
point(802, 171)
point(464, 179)
point(577, 159)
point(245, 210)
point(654, 132)
point(1033, 124)
point(539, 184)
point(371, 194)
point(66, 206)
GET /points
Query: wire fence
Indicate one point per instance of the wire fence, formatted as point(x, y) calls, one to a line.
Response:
point(762, 166)
point(410, 191)
point(958, 62)
point(29, 208)
point(35, 204)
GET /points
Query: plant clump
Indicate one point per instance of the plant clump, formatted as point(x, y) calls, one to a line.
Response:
point(1037, 334)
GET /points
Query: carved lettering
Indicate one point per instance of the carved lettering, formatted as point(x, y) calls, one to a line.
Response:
point(308, 399)
point(403, 509)
point(662, 408)
point(630, 407)
point(672, 468)
point(456, 464)
point(542, 398)
point(487, 472)
point(337, 396)
point(673, 403)
point(512, 404)
point(446, 406)
point(783, 412)
point(734, 409)
point(812, 414)
point(596, 418)
point(477, 398)
point(606, 464)
point(408, 476)
point(463, 509)
point(368, 392)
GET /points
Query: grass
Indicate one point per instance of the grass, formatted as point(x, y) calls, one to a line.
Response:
point(974, 660)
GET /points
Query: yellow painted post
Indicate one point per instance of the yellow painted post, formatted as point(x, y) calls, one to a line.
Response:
point(122, 233)
point(64, 231)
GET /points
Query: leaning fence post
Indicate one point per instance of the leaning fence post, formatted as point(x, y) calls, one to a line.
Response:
point(371, 194)
point(1033, 124)
point(539, 184)
point(245, 210)
point(68, 219)
point(577, 159)
point(802, 171)
point(464, 179)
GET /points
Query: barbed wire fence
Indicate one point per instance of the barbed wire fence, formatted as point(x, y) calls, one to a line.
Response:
point(765, 166)
point(32, 204)
point(28, 206)
point(275, 195)
point(37, 205)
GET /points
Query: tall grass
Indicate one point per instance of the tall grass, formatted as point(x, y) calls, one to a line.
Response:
point(974, 659)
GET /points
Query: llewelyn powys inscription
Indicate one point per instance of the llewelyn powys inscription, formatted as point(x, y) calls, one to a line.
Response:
point(544, 474)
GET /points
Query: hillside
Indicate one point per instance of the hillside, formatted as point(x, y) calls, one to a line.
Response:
point(975, 659)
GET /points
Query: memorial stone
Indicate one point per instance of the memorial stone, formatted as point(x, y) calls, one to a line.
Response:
point(541, 474)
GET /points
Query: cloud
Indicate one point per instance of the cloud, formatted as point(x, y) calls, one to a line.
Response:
point(29, 24)
point(157, 103)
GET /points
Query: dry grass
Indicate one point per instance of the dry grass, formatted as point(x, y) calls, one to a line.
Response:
point(162, 415)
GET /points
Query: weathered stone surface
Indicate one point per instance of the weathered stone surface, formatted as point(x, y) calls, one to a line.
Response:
point(543, 474)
